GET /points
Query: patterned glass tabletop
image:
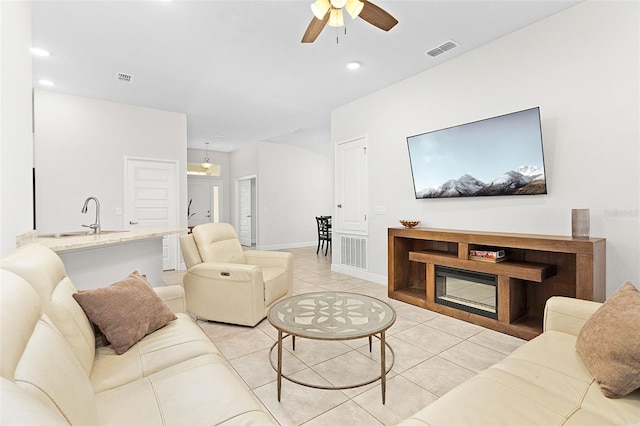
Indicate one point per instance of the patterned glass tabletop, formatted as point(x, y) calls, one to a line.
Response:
point(331, 315)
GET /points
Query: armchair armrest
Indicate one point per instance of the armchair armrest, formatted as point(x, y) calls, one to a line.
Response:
point(173, 296)
point(225, 292)
point(567, 314)
point(267, 258)
point(226, 271)
point(189, 250)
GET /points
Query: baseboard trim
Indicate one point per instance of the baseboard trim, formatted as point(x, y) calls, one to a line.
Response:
point(287, 246)
point(364, 275)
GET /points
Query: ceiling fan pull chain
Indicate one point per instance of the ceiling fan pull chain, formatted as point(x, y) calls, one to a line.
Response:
point(338, 33)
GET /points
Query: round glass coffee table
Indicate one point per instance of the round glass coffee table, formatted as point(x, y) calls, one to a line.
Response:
point(331, 315)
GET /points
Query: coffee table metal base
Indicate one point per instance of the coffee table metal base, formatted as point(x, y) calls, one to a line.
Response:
point(382, 377)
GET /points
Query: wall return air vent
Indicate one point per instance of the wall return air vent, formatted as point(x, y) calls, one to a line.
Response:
point(353, 251)
point(444, 47)
point(127, 78)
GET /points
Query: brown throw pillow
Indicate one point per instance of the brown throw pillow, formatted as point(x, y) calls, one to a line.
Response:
point(609, 343)
point(125, 311)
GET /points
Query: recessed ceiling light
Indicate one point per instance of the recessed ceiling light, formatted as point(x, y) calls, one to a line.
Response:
point(40, 52)
point(354, 65)
point(46, 82)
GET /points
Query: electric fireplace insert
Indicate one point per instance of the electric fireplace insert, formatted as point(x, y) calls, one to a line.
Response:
point(474, 292)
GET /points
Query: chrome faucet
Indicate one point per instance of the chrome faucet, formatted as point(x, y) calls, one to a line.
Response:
point(94, 226)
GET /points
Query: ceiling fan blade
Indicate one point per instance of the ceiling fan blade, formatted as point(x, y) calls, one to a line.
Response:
point(377, 16)
point(315, 27)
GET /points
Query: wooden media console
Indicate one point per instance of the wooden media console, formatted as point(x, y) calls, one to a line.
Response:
point(536, 268)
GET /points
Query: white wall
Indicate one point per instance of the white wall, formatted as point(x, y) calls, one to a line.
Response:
point(16, 146)
point(581, 66)
point(244, 162)
point(80, 146)
point(196, 156)
point(294, 185)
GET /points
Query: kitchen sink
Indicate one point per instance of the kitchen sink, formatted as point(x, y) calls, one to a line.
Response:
point(78, 233)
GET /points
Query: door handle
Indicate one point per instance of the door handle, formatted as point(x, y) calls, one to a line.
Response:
point(131, 222)
point(339, 206)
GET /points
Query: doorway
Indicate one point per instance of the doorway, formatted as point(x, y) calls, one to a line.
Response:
point(351, 187)
point(205, 200)
point(246, 196)
point(151, 200)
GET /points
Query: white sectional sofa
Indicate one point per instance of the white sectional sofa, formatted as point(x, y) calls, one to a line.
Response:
point(544, 382)
point(54, 373)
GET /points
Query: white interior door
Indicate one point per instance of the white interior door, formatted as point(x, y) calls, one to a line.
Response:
point(205, 197)
point(351, 187)
point(244, 212)
point(152, 201)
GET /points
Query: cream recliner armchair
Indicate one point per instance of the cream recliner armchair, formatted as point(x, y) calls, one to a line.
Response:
point(226, 284)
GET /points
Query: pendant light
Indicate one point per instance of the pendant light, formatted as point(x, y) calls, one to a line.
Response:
point(206, 164)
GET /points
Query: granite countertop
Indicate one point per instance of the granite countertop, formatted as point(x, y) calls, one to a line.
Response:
point(95, 240)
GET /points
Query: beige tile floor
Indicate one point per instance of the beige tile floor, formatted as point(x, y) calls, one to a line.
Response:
point(433, 354)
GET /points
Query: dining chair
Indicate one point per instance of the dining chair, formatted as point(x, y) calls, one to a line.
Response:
point(324, 233)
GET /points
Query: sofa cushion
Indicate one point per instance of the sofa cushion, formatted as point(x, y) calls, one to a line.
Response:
point(202, 390)
point(19, 314)
point(51, 372)
point(542, 382)
point(73, 324)
point(178, 341)
point(609, 343)
point(218, 243)
point(125, 311)
point(19, 407)
point(276, 284)
point(41, 267)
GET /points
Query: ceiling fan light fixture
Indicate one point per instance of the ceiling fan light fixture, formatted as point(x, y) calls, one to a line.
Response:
point(320, 8)
point(354, 7)
point(335, 18)
point(338, 4)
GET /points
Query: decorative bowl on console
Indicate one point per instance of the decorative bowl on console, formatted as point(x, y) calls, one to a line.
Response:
point(409, 223)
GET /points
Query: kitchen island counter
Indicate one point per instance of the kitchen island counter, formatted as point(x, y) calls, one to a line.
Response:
point(98, 260)
point(61, 244)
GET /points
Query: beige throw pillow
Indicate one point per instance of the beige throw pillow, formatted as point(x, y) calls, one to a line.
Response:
point(125, 311)
point(609, 343)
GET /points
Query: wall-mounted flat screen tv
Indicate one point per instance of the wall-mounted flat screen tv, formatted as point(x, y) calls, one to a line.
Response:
point(497, 156)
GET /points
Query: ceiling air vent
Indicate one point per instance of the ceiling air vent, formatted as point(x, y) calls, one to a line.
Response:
point(435, 52)
point(442, 48)
point(127, 78)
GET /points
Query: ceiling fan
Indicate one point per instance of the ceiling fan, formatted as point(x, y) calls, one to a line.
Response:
point(329, 12)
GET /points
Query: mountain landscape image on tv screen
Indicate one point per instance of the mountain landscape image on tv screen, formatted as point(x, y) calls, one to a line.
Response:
point(498, 156)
